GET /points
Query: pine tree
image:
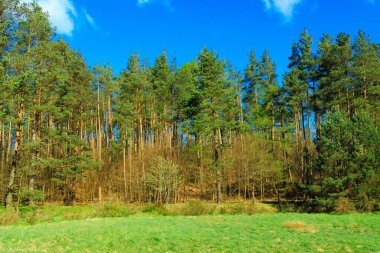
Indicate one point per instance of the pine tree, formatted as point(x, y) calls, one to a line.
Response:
point(162, 89)
point(252, 81)
point(348, 150)
point(33, 31)
point(334, 73)
point(215, 95)
point(365, 72)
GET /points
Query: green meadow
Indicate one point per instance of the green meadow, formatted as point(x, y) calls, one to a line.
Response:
point(161, 229)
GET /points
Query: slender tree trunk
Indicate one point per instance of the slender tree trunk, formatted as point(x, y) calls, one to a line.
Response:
point(99, 128)
point(130, 142)
point(4, 154)
point(15, 160)
point(253, 190)
point(364, 83)
point(9, 142)
point(35, 156)
point(273, 129)
point(200, 169)
point(125, 173)
point(261, 186)
point(309, 137)
point(110, 119)
point(141, 138)
point(218, 170)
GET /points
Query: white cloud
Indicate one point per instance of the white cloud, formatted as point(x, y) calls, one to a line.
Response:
point(143, 1)
point(166, 3)
point(285, 7)
point(62, 14)
point(89, 18)
point(268, 5)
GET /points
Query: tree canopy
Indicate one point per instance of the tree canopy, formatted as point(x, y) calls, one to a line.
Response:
point(167, 133)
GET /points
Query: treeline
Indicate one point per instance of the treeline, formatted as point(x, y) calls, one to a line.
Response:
point(168, 133)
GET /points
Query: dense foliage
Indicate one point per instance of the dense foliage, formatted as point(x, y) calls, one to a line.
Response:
point(167, 133)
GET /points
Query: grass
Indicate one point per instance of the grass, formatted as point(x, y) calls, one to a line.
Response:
point(58, 229)
point(45, 214)
point(216, 233)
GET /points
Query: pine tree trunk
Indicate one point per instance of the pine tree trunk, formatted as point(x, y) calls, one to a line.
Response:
point(130, 142)
point(110, 119)
point(99, 128)
point(3, 146)
point(35, 156)
point(9, 149)
point(218, 170)
point(200, 169)
point(125, 173)
point(272, 130)
point(15, 160)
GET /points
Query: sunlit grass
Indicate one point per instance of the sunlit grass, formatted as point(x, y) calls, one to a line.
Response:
point(209, 233)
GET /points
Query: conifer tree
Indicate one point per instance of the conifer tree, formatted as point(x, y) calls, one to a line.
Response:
point(210, 121)
point(252, 80)
point(365, 75)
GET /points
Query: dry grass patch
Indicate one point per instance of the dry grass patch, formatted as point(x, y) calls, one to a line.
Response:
point(354, 225)
point(299, 226)
point(37, 216)
point(192, 208)
point(248, 207)
point(9, 218)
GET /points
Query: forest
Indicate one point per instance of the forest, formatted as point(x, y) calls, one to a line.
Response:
point(163, 133)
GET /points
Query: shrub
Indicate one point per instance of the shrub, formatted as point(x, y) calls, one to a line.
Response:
point(192, 208)
point(108, 210)
point(320, 205)
point(195, 208)
point(344, 205)
point(163, 179)
point(366, 205)
point(36, 216)
point(157, 209)
point(254, 207)
point(234, 209)
point(71, 213)
point(27, 195)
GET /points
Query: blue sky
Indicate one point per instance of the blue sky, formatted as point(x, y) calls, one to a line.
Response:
point(108, 31)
